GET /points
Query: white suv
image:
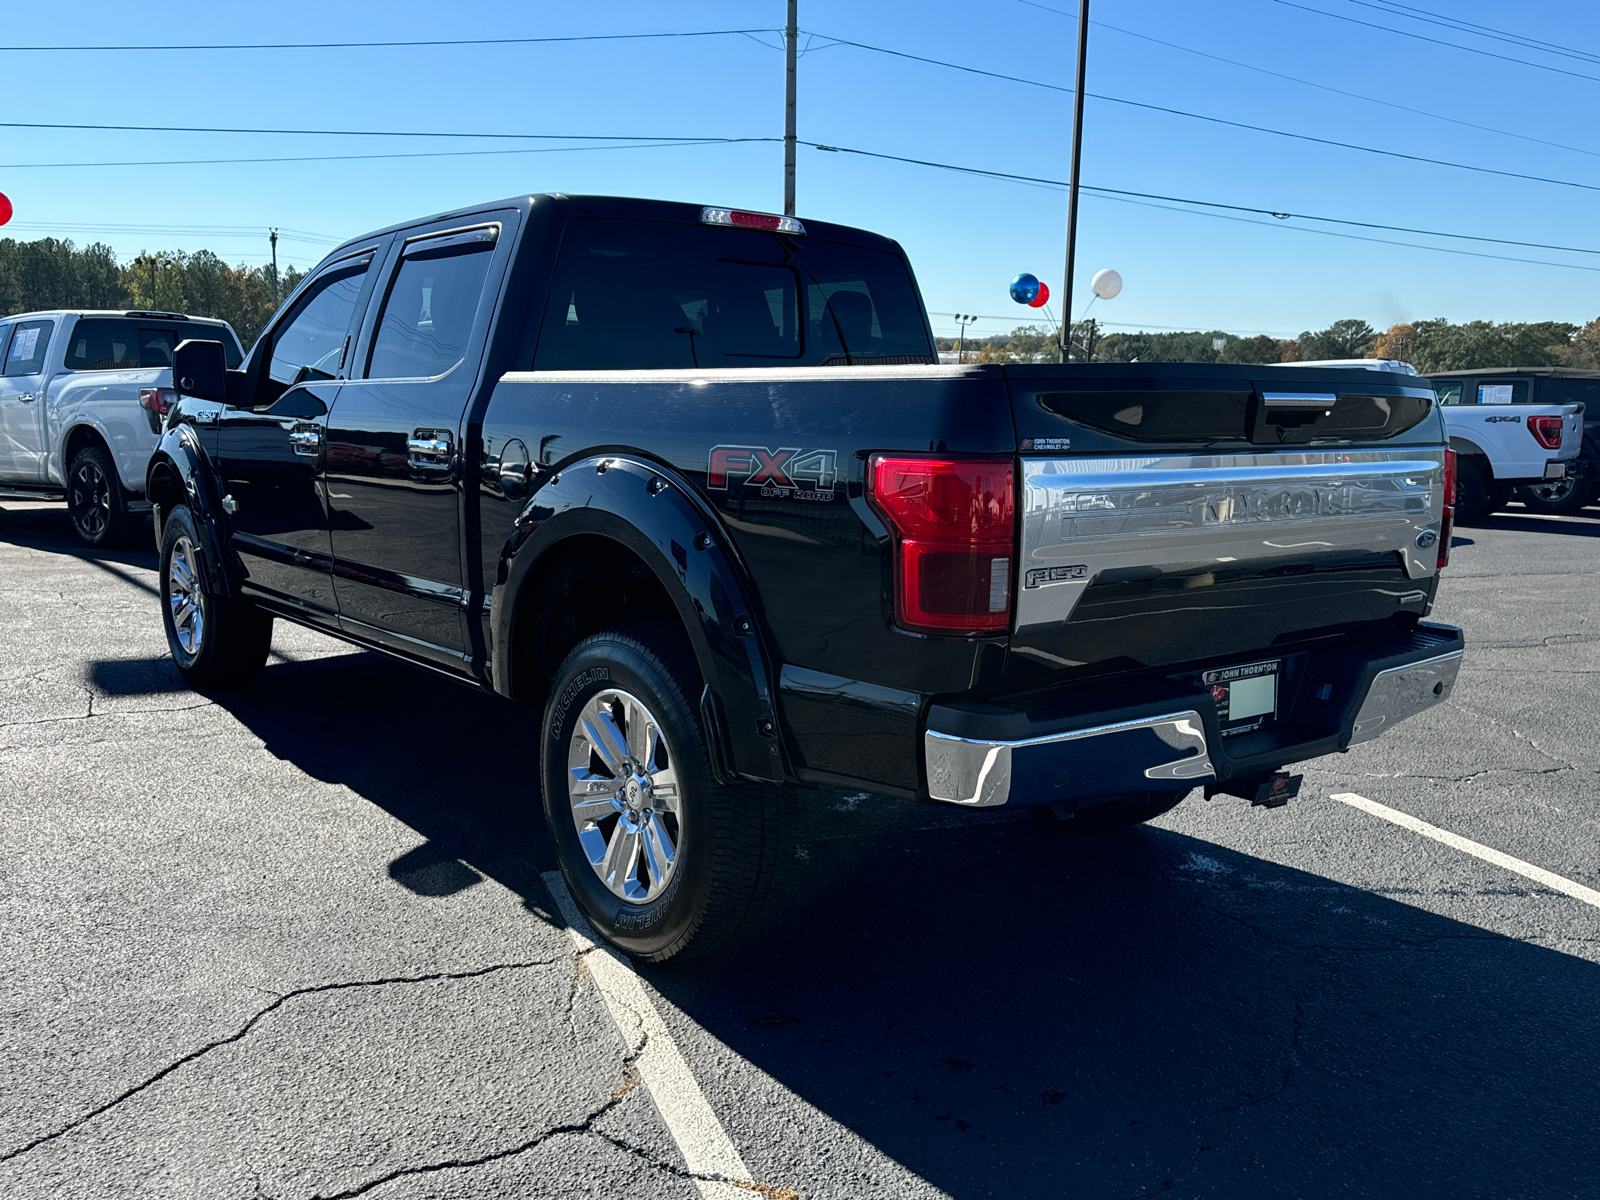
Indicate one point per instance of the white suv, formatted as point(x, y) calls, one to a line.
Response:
point(82, 395)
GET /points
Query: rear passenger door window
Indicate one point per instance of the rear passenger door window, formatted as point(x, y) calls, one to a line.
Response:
point(1498, 392)
point(428, 316)
point(29, 342)
point(1448, 393)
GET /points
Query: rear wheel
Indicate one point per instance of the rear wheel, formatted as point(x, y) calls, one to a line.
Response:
point(662, 860)
point(95, 499)
point(217, 641)
point(1499, 497)
point(1557, 497)
point(1472, 490)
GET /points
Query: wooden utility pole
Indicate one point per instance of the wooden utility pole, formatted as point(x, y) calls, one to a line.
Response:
point(1072, 186)
point(277, 288)
point(790, 34)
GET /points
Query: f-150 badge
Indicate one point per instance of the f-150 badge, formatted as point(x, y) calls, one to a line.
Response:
point(784, 474)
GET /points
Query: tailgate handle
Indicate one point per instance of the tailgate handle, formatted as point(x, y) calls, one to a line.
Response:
point(1299, 400)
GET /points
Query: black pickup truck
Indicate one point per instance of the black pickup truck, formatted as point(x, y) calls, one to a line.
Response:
point(689, 484)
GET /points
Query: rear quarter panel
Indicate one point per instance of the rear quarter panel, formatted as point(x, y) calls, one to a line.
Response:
point(108, 402)
point(816, 554)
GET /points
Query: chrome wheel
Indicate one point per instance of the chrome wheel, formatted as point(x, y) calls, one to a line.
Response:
point(624, 798)
point(184, 599)
point(90, 500)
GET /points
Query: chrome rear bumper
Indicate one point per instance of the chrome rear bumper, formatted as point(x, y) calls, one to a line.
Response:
point(1163, 734)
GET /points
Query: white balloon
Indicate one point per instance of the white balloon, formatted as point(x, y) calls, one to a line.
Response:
point(1106, 284)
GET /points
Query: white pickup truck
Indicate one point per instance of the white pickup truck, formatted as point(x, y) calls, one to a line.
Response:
point(1503, 435)
point(82, 395)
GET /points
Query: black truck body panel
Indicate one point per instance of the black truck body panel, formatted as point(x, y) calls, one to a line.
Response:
point(430, 515)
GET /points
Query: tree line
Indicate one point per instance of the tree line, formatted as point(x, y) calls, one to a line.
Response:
point(1435, 345)
point(52, 273)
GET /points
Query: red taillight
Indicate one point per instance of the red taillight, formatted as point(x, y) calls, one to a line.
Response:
point(955, 527)
point(1546, 431)
point(1447, 519)
point(157, 400)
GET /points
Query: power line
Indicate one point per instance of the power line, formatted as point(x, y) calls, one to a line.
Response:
point(1324, 87)
point(1179, 112)
point(1130, 198)
point(1422, 37)
point(223, 231)
point(497, 41)
point(1135, 325)
point(1456, 25)
point(206, 162)
point(403, 133)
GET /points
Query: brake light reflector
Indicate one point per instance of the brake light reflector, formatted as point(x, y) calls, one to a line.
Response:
point(1447, 518)
point(750, 220)
point(1546, 431)
point(954, 521)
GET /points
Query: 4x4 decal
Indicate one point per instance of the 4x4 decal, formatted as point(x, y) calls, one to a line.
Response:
point(787, 473)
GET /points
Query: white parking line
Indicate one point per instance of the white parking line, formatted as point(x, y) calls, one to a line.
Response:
point(1538, 874)
point(706, 1148)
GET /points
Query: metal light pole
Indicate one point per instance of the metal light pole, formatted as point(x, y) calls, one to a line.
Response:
point(1072, 186)
point(963, 320)
point(790, 34)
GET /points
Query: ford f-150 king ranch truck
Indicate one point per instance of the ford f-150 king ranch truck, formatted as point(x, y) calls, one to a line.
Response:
point(685, 482)
point(82, 395)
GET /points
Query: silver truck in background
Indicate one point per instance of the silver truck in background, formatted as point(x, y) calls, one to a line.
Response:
point(82, 397)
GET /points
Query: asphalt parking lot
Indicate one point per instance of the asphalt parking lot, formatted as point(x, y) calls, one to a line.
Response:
point(294, 942)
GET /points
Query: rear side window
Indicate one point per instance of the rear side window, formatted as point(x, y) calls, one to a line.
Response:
point(430, 311)
point(121, 343)
point(25, 352)
point(654, 294)
point(1448, 393)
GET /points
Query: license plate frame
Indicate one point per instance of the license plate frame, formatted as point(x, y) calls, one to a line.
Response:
point(1247, 696)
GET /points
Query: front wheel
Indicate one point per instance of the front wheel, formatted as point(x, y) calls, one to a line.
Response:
point(662, 860)
point(216, 641)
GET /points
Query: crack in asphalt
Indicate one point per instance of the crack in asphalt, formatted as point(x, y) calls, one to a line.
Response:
point(771, 1191)
point(244, 1029)
point(1288, 1070)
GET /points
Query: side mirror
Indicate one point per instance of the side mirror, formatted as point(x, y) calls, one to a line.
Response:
point(200, 370)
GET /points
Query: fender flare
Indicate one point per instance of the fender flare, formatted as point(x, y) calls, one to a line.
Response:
point(73, 424)
point(1466, 446)
point(179, 460)
point(652, 511)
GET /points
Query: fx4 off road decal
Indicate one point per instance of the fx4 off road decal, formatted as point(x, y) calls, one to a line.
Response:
point(784, 474)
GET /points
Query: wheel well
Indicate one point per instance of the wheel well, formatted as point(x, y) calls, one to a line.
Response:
point(579, 587)
point(1479, 459)
point(166, 489)
point(79, 437)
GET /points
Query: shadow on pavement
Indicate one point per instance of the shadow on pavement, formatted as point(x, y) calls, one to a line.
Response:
point(1011, 1012)
point(47, 527)
point(1520, 520)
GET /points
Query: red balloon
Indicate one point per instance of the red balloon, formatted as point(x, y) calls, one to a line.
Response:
point(1042, 298)
point(5, 209)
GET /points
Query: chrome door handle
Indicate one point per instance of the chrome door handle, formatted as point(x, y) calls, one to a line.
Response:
point(431, 449)
point(28, 397)
point(306, 439)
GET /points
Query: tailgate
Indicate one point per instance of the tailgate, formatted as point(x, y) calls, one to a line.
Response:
point(1178, 518)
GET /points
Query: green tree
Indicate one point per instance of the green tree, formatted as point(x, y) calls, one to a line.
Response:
point(1349, 338)
point(1258, 349)
point(1585, 348)
point(1443, 346)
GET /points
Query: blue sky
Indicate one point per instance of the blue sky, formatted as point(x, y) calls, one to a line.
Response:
point(967, 236)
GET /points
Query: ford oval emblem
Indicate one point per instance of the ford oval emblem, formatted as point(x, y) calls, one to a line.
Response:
point(1426, 538)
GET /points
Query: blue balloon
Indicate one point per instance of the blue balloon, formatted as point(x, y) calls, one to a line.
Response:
point(1025, 288)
